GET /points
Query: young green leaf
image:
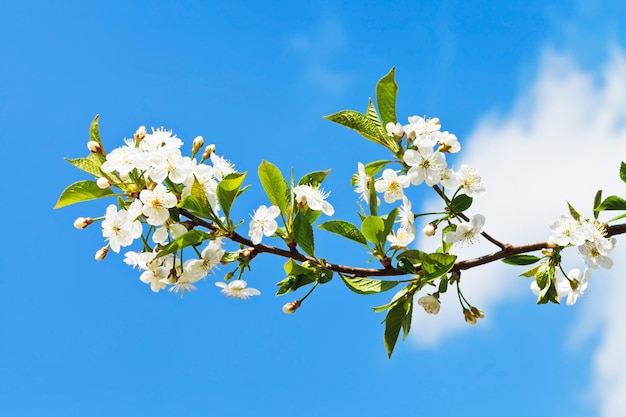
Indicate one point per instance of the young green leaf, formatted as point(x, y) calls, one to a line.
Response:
point(573, 212)
point(596, 202)
point(436, 265)
point(314, 179)
point(358, 122)
point(389, 221)
point(82, 191)
point(303, 232)
point(622, 171)
point(373, 116)
point(393, 324)
point(460, 203)
point(612, 203)
point(406, 323)
point(375, 167)
point(94, 131)
point(368, 285)
point(275, 186)
point(191, 238)
point(386, 92)
point(373, 229)
point(521, 259)
point(228, 189)
point(345, 229)
point(91, 164)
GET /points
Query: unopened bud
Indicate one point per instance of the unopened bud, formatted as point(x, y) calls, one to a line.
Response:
point(198, 143)
point(140, 133)
point(208, 151)
point(94, 147)
point(430, 229)
point(291, 307)
point(469, 317)
point(102, 253)
point(430, 303)
point(103, 183)
point(478, 313)
point(82, 222)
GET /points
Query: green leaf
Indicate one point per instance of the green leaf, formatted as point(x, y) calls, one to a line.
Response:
point(386, 92)
point(228, 189)
point(325, 276)
point(91, 164)
point(406, 266)
point(436, 265)
point(375, 167)
point(368, 285)
point(573, 212)
point(297, 276)
point(521, 259)
point(393, 324)
point(596, 202)
point(191, 238)
point(545, 275)
point(414, 255)
point(443, 285)
point(303, 232)
point(314, 179)
point(197, 202)
point(460, 203)
point(406, 323)
point(275, 186)
point(94, 131)
point(396, 298)
point(612, 203)
point(373, 228)
point(345, 229)
point(373, 116)
point(358, 122)
point(531, 272)
point(81, 191)
point(449, 228)
point(622, 171)
point(389, 221)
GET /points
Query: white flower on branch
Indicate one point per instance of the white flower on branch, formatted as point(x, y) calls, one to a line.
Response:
point(467, 232)
point(237, 289)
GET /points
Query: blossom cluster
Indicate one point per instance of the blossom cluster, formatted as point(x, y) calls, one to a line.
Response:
point(155, 177)
point(589, 237)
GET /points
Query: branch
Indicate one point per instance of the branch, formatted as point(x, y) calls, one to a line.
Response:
point(506, 251)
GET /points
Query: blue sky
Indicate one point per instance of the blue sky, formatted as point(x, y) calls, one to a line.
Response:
point(531, 90)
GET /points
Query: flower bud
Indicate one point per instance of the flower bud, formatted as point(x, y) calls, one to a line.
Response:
point(208, 151)
point(82, 222)
point(430, 229)
point(478, 313)
point(140, 133)
point(102, 253)
point(198, 143)
point(94, 147)
point(291, 307)
point(469, 317)
point(430, 303)
point(103, 183)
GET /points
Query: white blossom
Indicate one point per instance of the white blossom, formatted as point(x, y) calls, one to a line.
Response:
point(156, 204)
point(263, 223)
point(315, 198)
point(430, 303)
point(392, 185)
point(426, 165)
point(237, 289)
point(466, 232)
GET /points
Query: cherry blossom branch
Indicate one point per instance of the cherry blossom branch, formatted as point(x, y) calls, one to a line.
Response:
point(506, 251)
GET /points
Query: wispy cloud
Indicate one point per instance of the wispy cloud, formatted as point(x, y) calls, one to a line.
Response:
point(564, 139)
point(318, 51)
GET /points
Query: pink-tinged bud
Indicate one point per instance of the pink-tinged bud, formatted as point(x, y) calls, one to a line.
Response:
point(291, 307)
point(198, 143)
point(82, 222)
point(430, 229)
point(102, 253)
point(94, 147)
point(208, 151)
point(103, 183)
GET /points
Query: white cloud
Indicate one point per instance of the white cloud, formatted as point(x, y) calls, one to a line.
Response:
point(564, 139)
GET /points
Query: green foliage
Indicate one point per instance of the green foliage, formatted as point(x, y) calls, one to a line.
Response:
point(361, 285)
point(193, 237)
point(359, 122)
point(81, 191)
point(596, 202)
point(612, 203)
point(521, 259)
point(197, 202)
point(94, 131)
point(373, 229)
point(460, 203)
point(303, 233)
point(314, 179)
point(622, 171)
point(91, 164)
point(228, 189)
point(386, 92)
point(297, 276)
point(573, 212)
point(275, 186)
point(435, 265)
point(345, 229)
